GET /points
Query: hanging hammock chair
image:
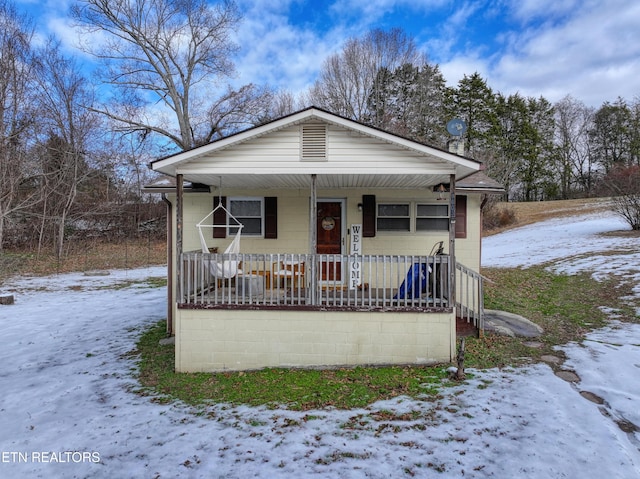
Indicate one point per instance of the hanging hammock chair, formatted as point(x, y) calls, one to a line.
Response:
point(228, 268)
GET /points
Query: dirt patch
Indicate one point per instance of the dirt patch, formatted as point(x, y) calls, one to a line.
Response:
point(569, 376)
point(548, 358)
point(592, 397)
point(627, 426)
point(622, 234)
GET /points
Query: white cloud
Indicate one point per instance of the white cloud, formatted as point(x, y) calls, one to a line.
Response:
point(289, 56)
point(546, 48)
point(529, 10)
point(459, 66)
point(51, 17)
point(588, 49)
point(368, 13)
point(592, 54)
point(279, 53)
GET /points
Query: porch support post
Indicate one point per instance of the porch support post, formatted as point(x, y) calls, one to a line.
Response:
point(313, 238)
point(452, 239)
point(170, 267)
point(179, 223)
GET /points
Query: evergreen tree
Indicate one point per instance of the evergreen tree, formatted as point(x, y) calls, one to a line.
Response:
point(409, 101)
point(611, 135)
point(473, 101)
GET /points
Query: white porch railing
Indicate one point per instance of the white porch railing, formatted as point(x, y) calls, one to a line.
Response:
point(470, 296)
point(367, 282)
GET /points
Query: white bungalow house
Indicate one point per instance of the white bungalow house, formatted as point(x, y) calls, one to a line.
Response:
point(356, 246)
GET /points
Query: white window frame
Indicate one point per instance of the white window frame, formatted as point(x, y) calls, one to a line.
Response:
point(398, 203)
point(259, 199)
point(413, 217)
point(431, 217)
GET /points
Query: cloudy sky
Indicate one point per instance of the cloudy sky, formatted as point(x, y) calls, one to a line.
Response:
point(589, 49)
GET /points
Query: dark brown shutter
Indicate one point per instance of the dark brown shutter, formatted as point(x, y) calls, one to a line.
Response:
point(368, 216)
point(219, 217)
point(461, 216)
point(271, 217)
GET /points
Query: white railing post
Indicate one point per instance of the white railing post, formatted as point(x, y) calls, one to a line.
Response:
point(387, 282)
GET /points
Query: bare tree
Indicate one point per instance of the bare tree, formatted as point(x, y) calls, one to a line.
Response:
point(634, 139)
point(170, 54)
point(282, 103)
point(16, 114)
point(67, 124)
point(574, 166)
point(623, 182)
point(347, 80)
point(235, 109)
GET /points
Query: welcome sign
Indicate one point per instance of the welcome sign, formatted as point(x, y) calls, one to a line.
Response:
point(355, 260)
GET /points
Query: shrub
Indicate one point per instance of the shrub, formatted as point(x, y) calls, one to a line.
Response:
point(624, 185)
point(496, 217)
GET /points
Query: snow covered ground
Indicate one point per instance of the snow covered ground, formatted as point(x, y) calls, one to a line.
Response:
point(67, 410)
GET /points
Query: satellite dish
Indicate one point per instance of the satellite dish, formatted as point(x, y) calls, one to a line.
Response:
point(456, 127)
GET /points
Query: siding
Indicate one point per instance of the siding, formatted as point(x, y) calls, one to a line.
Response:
point(347, 152)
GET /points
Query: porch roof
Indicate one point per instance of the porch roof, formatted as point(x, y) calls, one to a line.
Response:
point(390, 161)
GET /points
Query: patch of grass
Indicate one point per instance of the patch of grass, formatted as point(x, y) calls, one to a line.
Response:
point(156, 281)
point(13, 263)
point(566, 307)
point(498, 351)
point(296, 389)
point(153, 282)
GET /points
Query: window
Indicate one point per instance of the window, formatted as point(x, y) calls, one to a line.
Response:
point(249, 212)
point(393, 217)
point(432, 217)
point(429, 217)
point(246, 210)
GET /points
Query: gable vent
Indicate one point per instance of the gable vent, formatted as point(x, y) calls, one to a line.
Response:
point(314, 142)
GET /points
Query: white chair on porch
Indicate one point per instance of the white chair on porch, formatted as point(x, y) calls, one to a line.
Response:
point(291, 271)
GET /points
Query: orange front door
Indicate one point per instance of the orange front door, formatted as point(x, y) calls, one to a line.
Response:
point(329, 241)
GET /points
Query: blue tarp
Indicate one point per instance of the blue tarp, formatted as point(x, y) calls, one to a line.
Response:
point(415, 283)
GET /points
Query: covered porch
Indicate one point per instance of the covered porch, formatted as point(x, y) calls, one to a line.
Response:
point(335, 223)
point(346, 280)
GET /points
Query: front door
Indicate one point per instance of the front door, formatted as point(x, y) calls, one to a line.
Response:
point(330, 240)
